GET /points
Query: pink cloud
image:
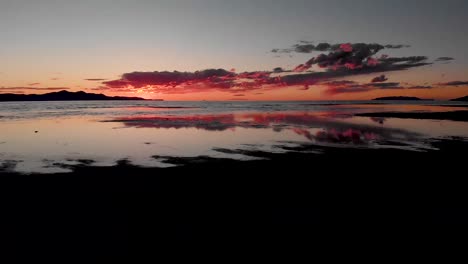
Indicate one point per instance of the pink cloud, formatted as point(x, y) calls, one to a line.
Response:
point(341, 60)
point(346, 47)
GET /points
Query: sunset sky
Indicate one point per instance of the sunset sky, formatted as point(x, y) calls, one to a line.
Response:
point(236, 50)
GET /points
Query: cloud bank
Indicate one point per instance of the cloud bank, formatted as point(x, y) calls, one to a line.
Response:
point(337, 61)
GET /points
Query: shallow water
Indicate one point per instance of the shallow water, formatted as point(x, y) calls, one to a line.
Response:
point(102, 133)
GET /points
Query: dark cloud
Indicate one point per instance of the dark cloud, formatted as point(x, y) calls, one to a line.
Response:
point(302, 67)
point(380, 78)
point(411, 59)
point(303, 79)
point(420, 87)
point(344, 86)
point(278, 70)
point(444, 59)
point(239, 94)
point(356, 56)
point(389, 85)
point(312, 78)
point(388, 67)
point(455, 83)
point(280, 51)
point(214, 77)
point(95, 79)
point(55, 79)
point(349, 60)
point(309, 47)
point(348, 89)
point(323, 47)
point(398, 46)
point(36, 83)
point(304, 48)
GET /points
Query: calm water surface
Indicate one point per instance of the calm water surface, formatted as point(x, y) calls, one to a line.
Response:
point(42, 136)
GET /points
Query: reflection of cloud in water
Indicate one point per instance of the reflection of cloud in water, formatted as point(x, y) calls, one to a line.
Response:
point(225, 121)
point(206, 122)
point(221, 122)
point(332, 130)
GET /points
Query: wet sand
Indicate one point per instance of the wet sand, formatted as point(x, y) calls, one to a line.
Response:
point(307, 199)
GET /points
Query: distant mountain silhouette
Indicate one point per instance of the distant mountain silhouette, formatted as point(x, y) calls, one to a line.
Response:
point(464, 98)
point(63, 96)
point(400, 98)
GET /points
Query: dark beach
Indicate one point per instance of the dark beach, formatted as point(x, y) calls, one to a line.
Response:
point(308, 199)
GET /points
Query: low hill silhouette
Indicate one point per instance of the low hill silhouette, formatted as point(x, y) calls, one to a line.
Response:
point(63, 96)
point(464, 99)
point(400, 98)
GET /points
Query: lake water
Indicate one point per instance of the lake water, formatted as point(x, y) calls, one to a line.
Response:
point(40, 137)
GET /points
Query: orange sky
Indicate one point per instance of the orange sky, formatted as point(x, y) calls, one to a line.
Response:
point(74, 73)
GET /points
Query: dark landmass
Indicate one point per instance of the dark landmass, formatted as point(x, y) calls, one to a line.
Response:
point(400, 98)
point(464, 99)
point(461, 115)
point(63, 96)
point(305, 200)
point(460, 105)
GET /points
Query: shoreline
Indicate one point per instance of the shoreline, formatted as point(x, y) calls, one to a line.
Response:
point(290, 155)
point(310, 163)
point(289, 198)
